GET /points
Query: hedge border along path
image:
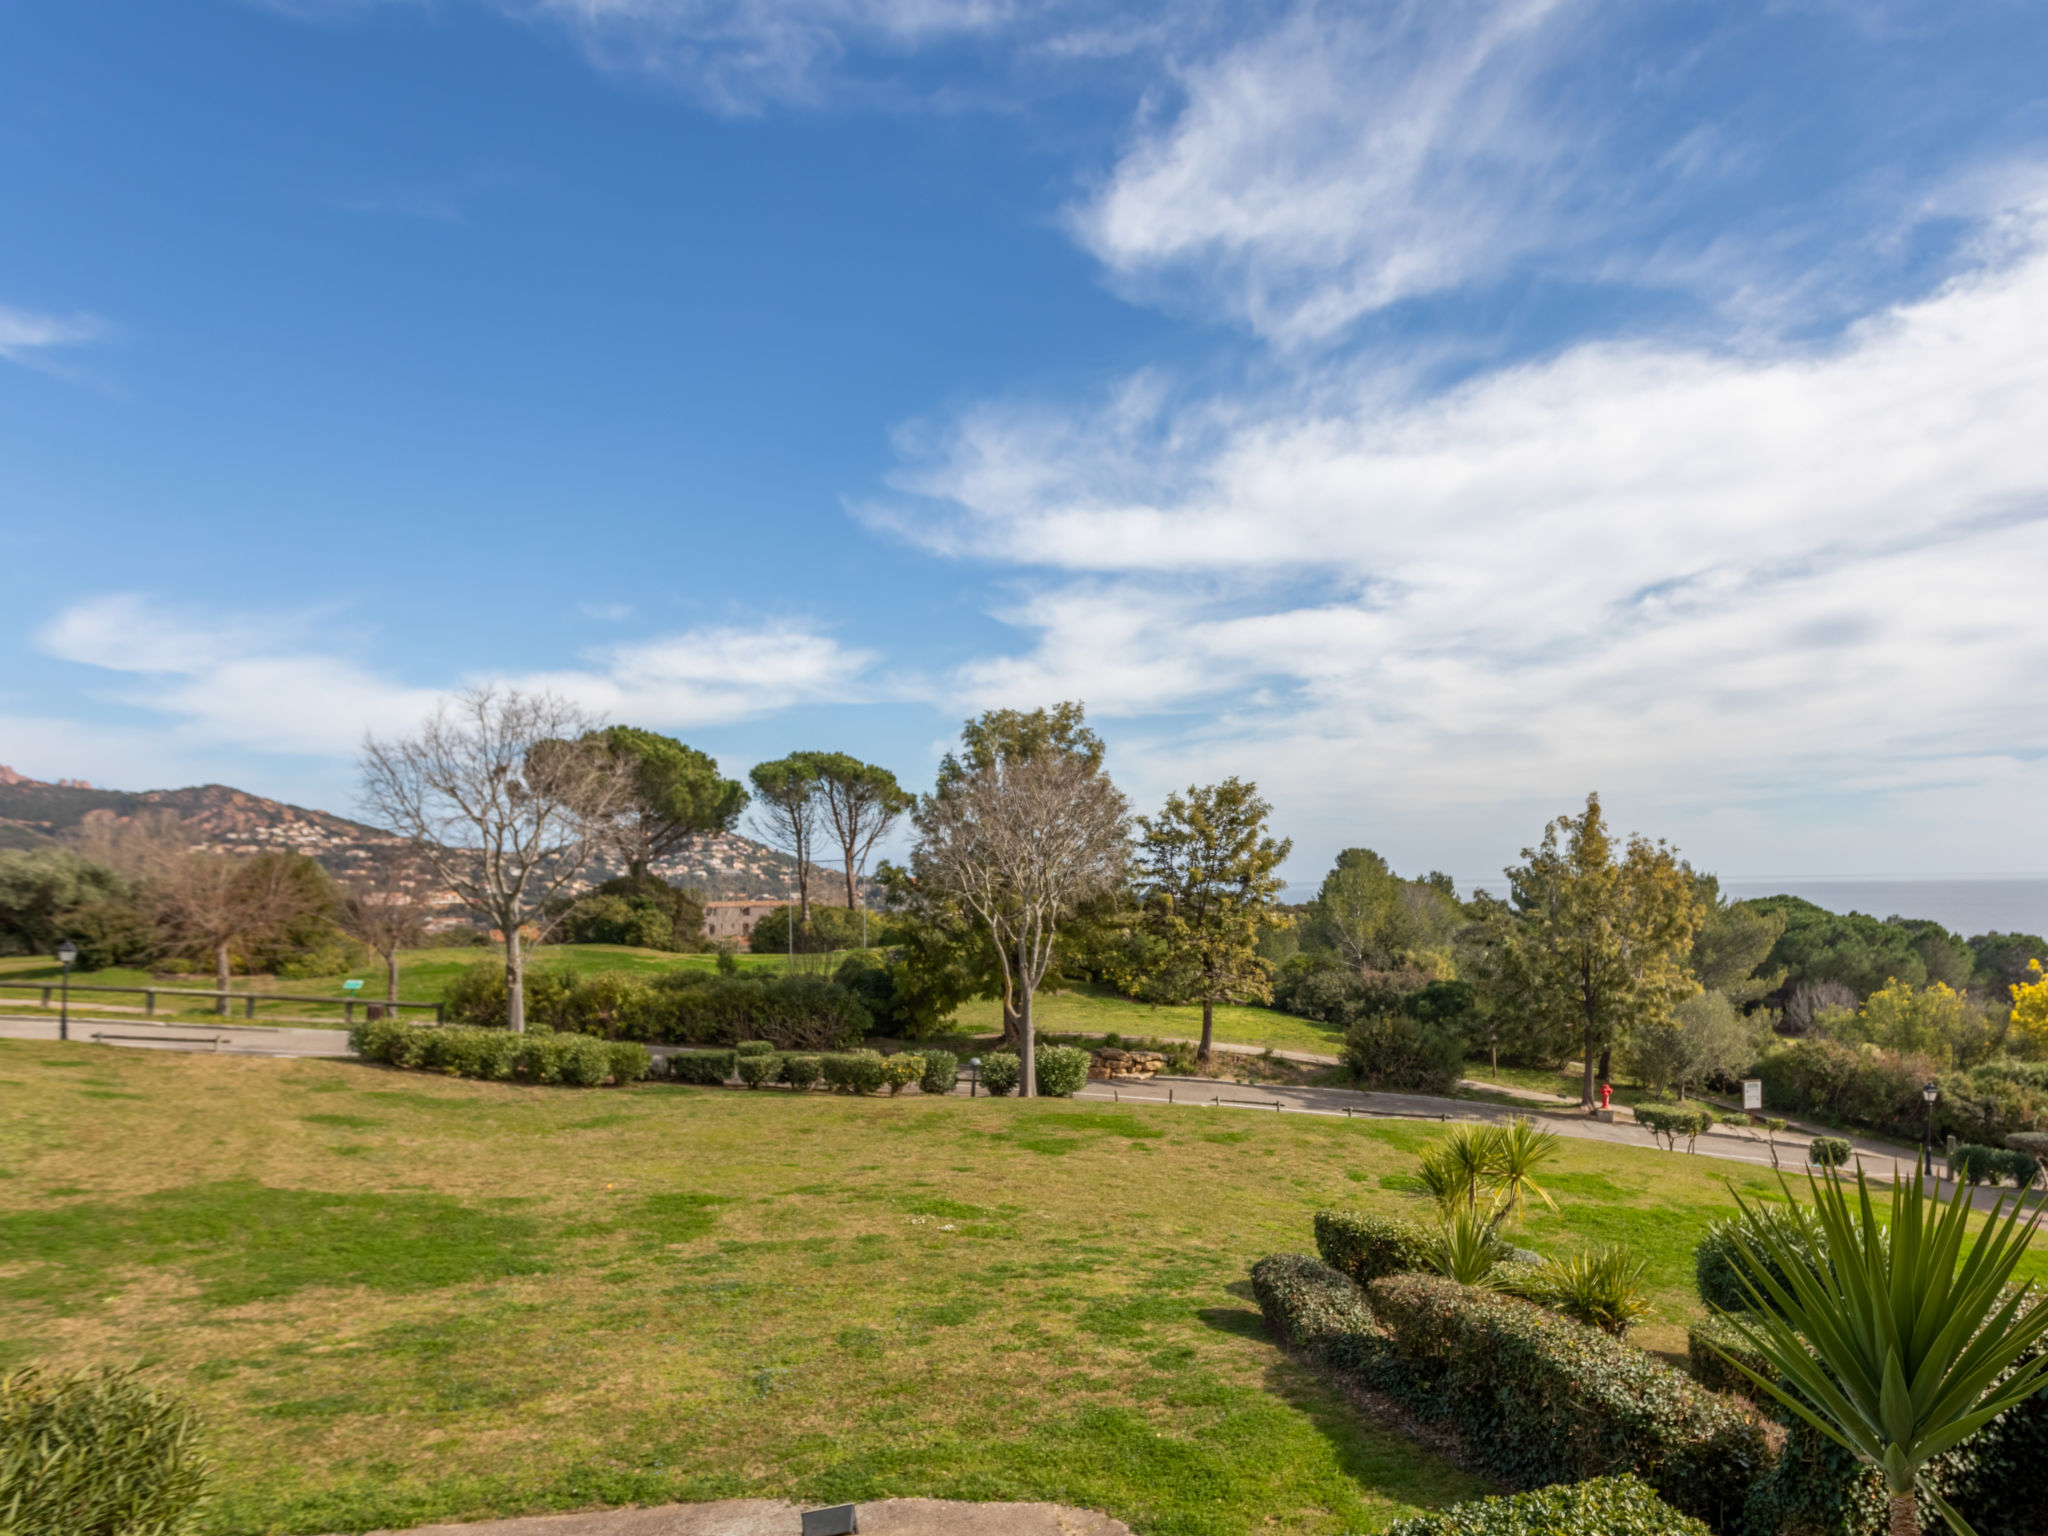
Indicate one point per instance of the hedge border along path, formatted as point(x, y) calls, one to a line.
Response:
point(1534, 1398)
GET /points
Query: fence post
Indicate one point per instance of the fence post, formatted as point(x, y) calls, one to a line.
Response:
point(220, 1002)
point(437, 1013)
point(250, 1011)
point(46, 996)
point(149, 1002)
point(348, 1011)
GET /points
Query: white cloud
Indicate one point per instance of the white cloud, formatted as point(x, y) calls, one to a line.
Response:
point(1345, 160)
point(1701, 577)
point(271, 687)
point(29, 337)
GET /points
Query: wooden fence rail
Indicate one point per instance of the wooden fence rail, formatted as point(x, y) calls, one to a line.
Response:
point(221, 999)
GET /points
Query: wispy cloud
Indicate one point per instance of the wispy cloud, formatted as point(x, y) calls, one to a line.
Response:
point(30, 338)
point(271, 687)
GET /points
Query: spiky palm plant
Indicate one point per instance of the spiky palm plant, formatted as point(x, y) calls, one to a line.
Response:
point(1899, 1347)
point(1466, 1249)
point(1455, 1169)
point(1516, 1151)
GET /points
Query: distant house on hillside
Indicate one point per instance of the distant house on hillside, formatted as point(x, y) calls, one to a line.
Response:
point(735, 920)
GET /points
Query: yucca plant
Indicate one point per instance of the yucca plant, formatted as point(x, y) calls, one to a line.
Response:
point(96, 1453)
point(1900, 1346)
point(1491, 1163)
point(1600, 1287)
point(1516, 1151)
point(1454, 1170)
point(1467, 1249)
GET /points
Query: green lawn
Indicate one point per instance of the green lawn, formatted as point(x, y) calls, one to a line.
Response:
point(398, 1298)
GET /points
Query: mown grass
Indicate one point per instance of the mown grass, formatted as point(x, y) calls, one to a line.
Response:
point(398, 1298)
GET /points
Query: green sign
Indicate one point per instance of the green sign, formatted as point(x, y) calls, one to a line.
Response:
point(351, 986)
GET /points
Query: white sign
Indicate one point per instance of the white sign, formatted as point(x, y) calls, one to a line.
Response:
point(1752, 1093)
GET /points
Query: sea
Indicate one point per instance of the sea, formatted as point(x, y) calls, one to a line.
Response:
point(1964, 904)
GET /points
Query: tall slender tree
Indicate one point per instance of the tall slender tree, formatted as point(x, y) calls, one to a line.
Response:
point(1592, 943)
point(505, 800)
point(786, 806)
point(675, 794)
point(861, 802)
point(1020, 834)
point(1206, 866)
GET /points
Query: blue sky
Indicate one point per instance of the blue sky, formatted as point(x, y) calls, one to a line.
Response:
point(1430, 411)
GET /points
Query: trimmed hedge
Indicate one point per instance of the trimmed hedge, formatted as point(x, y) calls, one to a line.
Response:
point(1602, 1506)
point(1710, 1367)
point(801, 1071)
point(941, 1071)
point(1713, 1257)
point(96, 1453)
point(1540, 1399)
point(1319, 1311)
point(901, 1070)
point(1367, 1247)
point(631, 1061)
point(1062, 1070)
point(755, 1048)
point(853, 1071)
point(1828, 1152)
point(460, 1050)
point(756, 1068)
point(707, 1069)
point(1000, 1072)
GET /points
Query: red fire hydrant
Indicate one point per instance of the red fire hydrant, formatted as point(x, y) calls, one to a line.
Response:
point(1606, 1093)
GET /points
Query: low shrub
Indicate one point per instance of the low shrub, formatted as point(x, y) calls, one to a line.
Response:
point(755, 1048)
point(96, 1453)
point(756, 1068)
point(1062, 1070)
point(1319, 1311)
point(802, 1071)
point(1970, 1164)
point(1714, 1256)
point(1367, 1247)
point(1395, 1052)
point(1691, 1122)
point(941, 1070)
point(1601, 1287)
point(579, 1061)
point(790, 1012)
point(1540, 1399)
point(1000, 1072)
point(2034, 1143)
point(630, 1061)
point(853, 1071)
point(1828, 1152)
point(1600, 1506)
point(707, 1069)
point(1707, 1348)
point(2019, 1165)
point(901, 1070)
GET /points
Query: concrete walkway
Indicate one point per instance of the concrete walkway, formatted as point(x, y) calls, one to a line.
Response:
point(161, 1035)
point(769, 1517)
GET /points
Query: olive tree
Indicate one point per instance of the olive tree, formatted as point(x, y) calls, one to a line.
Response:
point(505, 801)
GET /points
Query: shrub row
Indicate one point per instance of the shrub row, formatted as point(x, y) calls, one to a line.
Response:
point(1536, 1398)
point(1601, 1506)
point(1367, 1247)
point(1714, 1256)
point(859, 1072)
point(797, 1013)
point(1989, 1165)
point(538, 1056)
point(96, 1453)
point(1880, 1090)
point(1062, 1071)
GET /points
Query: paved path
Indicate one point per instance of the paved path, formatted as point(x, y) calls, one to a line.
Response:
point(159, 1035)
point(769, 1517)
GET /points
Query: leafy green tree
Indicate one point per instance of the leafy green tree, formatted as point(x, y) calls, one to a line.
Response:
point(787, 799)
point(1947, 956)
point(1704, 1037)
point(1206, 865)
point(1892, 1350)
point(40, 888)
point(1000, 736)
point(1859, 951)
point(675, 794)
point(2001, 961)
point(1597, 944)
point(1375, 920)
point(861, 803)
point(1734, 939)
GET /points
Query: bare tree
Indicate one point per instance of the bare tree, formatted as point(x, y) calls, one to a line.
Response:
point(504, 800)
point(1020, 842)
point(387, 909)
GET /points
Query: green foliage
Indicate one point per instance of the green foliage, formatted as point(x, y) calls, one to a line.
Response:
point(644, 911)
point(1976, 1165)
point(117, 931)
point(458, 1050)
point(1715, 1352)
point(629, 1061)
point(1894, 1350)
point(2000, 960)
point(1541, 1399)
point(576, 1061)
point(1396, 1053)
point(1062, 1070)
point(1829, 1152)
point(801, 1071)
point(1366, 1247)
point(830, 929)
point(1000, 1072)
point(677, 795)
point(1495, 1162)
point(854, 1071)
point(1320, 987)
point(941, 1069)
point(1703, 1039)
point(1315, 1308)
point(793, 1013)
point(1372, 919)
point(41, 889)
point(901, 1070)
point(1715, 1256)
point(1735, 938)
point(1601, 1287)
point(1691, 1122)
point(1465, 1248)
point(1600, 1506)
point(758, 1067)
point(707, 1069)
point(747, 1048)
point(1863, 953)
point(96, 1453)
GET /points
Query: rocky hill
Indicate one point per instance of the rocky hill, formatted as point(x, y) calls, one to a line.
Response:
point(35, 814)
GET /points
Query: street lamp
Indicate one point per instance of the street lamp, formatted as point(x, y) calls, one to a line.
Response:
point(1930, 1093)
point(66, 953)
point(973, 1074)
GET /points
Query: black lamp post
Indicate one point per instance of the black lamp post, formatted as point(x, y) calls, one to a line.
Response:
point(66, 953)
point(1930, 1093)
point(973, 1075)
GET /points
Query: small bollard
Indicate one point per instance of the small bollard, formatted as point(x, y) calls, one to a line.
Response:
point(839, 1520)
